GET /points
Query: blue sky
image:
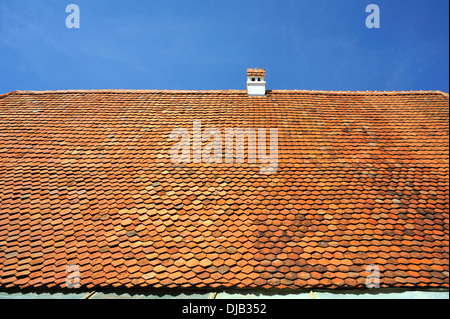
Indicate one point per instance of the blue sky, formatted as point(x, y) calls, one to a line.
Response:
point(309, 45)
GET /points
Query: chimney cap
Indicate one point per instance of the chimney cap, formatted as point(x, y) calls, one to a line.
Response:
point(256, 72)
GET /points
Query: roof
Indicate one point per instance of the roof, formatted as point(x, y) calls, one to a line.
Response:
point(256, 72)
point(86, 179)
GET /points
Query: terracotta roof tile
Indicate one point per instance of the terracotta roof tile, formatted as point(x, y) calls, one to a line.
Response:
point(86, 179)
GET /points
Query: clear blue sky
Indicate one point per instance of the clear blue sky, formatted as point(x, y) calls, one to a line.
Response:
point(310, 45)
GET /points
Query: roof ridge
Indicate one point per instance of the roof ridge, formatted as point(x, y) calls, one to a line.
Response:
point(367, 92)
point(6, 94)
point(126, 91)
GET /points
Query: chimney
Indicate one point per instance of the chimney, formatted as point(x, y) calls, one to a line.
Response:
point(256, 82)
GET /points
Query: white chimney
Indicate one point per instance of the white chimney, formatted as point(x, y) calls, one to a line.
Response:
point(256, 82)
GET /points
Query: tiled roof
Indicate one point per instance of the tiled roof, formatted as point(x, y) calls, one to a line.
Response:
point(256, 72)
point(86, 179)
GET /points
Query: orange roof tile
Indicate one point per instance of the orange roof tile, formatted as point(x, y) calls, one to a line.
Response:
point(256, 72)
point(86, 179)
